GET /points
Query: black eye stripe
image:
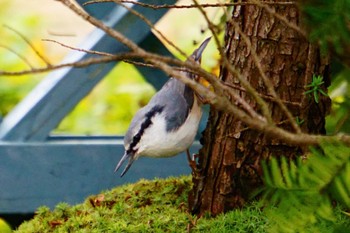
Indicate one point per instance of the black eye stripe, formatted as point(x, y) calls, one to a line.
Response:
point(145, 124)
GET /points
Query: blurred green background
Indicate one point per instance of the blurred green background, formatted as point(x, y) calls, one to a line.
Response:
point(108, 109)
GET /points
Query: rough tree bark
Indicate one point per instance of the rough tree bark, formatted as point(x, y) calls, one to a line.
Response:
point(229, 162)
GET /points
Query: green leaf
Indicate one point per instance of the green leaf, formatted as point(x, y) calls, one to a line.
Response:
point(309, 91)
point(322, 92)
point(342, 192)
point(286, 175)
point(316, 96)
point(276, 174)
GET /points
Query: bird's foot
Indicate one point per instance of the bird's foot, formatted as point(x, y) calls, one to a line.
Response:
point(192, 160)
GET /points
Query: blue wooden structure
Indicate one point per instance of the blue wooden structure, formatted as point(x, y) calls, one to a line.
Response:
point(38, 169)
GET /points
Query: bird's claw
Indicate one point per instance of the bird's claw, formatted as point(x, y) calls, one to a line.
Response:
point(192, 160)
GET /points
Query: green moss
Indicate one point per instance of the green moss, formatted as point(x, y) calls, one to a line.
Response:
point(158, 205)
point(4, 227)
point(249, 219)
point(149, 206)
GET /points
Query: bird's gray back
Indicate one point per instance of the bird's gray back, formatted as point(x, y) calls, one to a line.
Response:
point(177, 99)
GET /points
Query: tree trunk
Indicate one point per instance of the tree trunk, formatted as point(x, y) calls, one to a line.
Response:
point(229, 163)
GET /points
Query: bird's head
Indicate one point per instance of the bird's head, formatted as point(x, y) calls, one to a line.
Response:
point(197, 54)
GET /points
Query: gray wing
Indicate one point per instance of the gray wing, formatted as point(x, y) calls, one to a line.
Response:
point(177, 100)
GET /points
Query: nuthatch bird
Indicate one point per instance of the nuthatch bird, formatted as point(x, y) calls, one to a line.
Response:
point(168, 124)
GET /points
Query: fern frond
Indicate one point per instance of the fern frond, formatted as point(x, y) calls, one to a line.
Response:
point(302, 190)
point(340, 187)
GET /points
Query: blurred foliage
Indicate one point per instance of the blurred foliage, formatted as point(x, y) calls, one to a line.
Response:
point(303, 191)
point(339, 91)
point(13, 89)
point(328, 24)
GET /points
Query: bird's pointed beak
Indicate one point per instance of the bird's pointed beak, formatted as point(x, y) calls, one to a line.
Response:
point(126, 156)
point(197, 54)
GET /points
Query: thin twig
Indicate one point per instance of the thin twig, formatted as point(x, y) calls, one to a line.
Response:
point(79, 49)
point(233, 135)
point(76, 64)
point(30, 44)
point(25, 60)
point(246, 106)
point(137, 63)
point(268, 97)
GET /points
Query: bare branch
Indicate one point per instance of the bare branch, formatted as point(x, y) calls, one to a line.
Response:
point(77, 64)
point(157, 62)
point(224, 104)
point(217, 99)
point(167, 6)
point(231, 69)
point(139, 51)
point(266, 80)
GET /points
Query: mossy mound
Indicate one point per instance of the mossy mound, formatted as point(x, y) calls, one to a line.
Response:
point(4, 227)
point(158, 206)
point(146, 206)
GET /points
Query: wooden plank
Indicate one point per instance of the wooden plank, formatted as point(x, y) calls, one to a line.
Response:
point(68, 170)
point(43, 109)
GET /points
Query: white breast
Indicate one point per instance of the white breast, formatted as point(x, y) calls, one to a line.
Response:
point(159, 143)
